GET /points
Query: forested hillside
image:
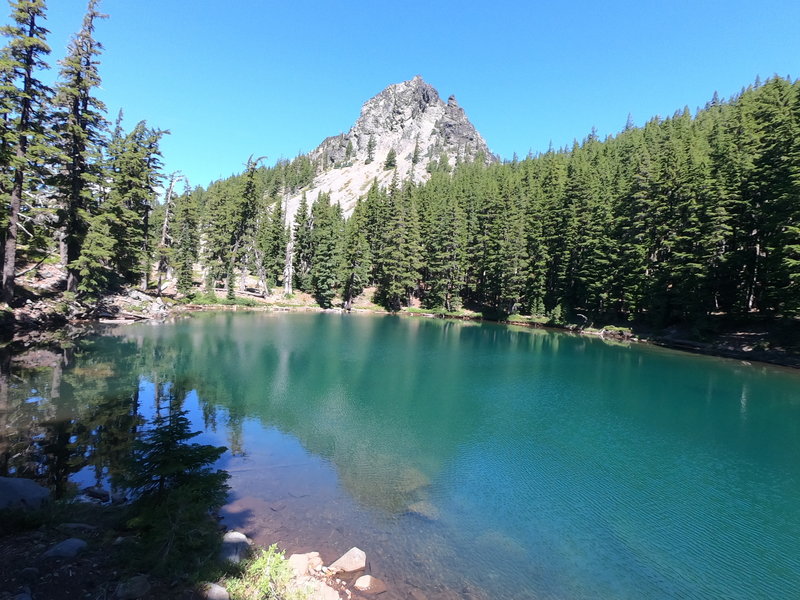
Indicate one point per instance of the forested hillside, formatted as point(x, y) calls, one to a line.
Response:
point(684, 217)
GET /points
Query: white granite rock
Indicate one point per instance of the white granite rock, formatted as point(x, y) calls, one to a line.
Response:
point(351, 561)
point(370, 585)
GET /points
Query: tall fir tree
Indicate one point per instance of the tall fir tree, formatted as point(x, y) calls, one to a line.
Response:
point(25, 118)
point(80, 126)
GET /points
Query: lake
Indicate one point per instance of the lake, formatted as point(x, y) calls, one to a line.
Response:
point(469, 460)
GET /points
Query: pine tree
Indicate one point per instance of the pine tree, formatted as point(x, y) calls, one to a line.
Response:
point(79, 125)
point(325, 264)
point(391, 160)
point(357, 260)
point(24, 107)
point(370, 150)
point(185, 240)
point(398, 261)
point(302, 247)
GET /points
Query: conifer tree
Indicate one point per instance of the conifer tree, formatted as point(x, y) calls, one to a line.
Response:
point(302, 249)
point(357, 260)
point(185, 238)
point(391, 160)
point(24, 119)
point(80, 125)
point(370, 150)
point(325, 264)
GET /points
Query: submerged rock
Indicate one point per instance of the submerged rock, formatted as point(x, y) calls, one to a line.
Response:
point(67, 549)
point(370, 585)
point(423, 508)
point(351, 561)
point(17, 492)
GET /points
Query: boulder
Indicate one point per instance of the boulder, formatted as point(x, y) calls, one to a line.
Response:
point(135, 587)
point(213, 591)
point(235, 547)
point(304, 564)
point(17, 492)
point(315, 589)
point(370, 585)
point(67, 549)
point(351, 561)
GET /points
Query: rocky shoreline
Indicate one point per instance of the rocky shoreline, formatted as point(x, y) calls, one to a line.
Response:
point(47, 319)
point(35, 564)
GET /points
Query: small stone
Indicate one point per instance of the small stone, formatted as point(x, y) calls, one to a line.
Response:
point(314, 561)
point(351, 561)
point(135, 587)
point(370, 585)
point(213, 591)
point(67, 549)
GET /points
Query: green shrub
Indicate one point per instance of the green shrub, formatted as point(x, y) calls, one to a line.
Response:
point(265, 576)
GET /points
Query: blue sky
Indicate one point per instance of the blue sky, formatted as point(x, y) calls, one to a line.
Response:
point(240, 77)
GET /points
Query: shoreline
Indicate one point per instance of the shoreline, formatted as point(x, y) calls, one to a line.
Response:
point(37, 325)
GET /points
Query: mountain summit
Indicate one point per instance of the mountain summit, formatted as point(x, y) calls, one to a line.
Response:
point(406, 128)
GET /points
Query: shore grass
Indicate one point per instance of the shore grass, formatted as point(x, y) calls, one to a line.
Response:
point(265, 576)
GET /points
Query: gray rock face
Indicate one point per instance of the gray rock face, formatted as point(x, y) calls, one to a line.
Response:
point(67, 549)
point(409, 118)
point(133, 588)
point(16, 492)
point(403, 116)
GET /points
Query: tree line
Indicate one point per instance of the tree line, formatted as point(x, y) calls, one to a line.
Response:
point(681, 218)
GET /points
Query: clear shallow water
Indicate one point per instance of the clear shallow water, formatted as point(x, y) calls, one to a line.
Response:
point(478, 460)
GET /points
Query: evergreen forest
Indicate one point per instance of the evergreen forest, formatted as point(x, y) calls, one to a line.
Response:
point(685, 217)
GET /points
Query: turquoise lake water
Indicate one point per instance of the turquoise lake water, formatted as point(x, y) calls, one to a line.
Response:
point(483, 461)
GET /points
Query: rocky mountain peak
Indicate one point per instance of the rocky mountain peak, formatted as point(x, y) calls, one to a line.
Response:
point(409, 118)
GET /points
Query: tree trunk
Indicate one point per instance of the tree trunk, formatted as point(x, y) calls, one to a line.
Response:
point(10, 248)
point(10, 255)
point(287, 270)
